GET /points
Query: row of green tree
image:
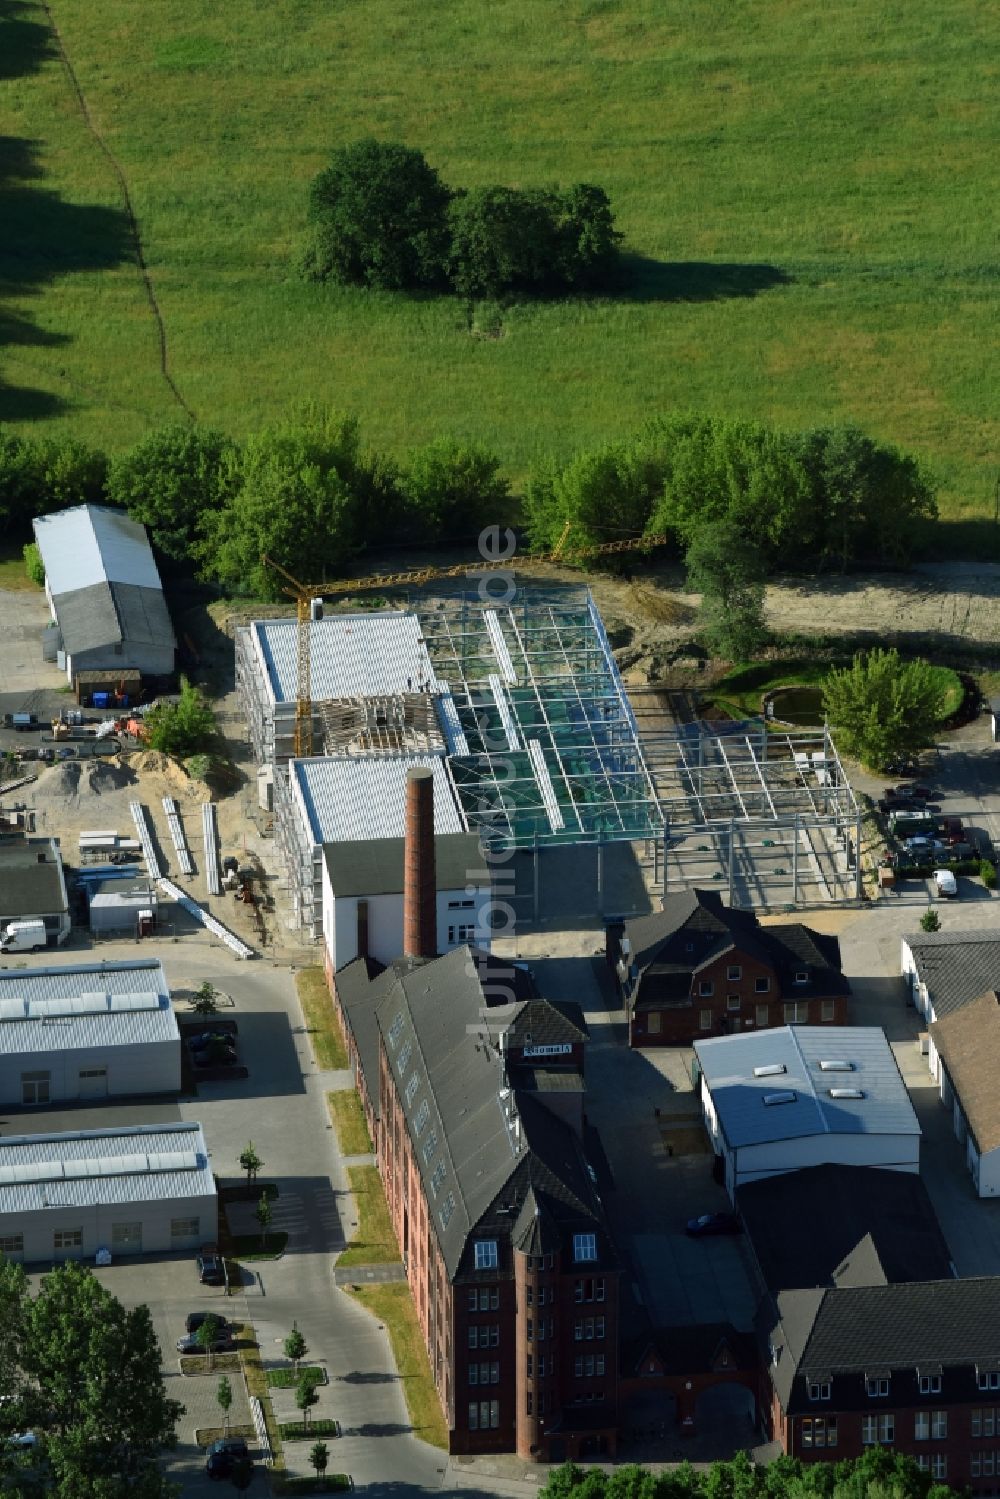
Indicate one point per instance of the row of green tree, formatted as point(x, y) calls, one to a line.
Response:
point(306, 492)
point(826, 497)
point(878, 1474)
point(380, 215)
point(82, 1374)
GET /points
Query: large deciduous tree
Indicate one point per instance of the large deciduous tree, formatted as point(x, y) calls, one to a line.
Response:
point(452, 490)
point(170, 480)
point(884, 707)
point(184, 728)
point(378, 217)
point(728, 573)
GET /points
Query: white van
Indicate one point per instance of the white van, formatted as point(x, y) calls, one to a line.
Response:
point(23, 936)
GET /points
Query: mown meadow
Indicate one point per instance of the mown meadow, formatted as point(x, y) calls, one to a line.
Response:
point(807, 194)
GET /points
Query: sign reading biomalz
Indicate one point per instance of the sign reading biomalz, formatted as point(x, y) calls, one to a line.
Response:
point(557, 1049)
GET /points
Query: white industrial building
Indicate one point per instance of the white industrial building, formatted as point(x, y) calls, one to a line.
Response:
point(330, 800)
point(964, 1056)
point(363, 898)
point(148, 1190)
point(117, 907)
point(778, 1100)
point(353, 657)
point(104, 593)
point(90, 1031)
point(33, 887)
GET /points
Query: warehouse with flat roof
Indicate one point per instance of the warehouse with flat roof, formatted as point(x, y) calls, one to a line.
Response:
point(89, 1031)
point(33, 887)
point(104, 593)
point(147, 1190)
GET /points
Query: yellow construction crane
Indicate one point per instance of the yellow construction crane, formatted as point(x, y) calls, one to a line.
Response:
point(305, 593)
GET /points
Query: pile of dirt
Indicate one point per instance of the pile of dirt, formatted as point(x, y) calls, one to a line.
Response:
point(106, 776)
point(61, 781)
point(177, 782)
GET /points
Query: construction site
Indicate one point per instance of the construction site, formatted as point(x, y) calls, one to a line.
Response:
point(522, 716)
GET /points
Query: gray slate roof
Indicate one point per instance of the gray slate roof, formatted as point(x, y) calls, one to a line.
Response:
point(956, 967)
point(27, 887)
point(729, 1062)
point(479, 1147)
point(374, 866)
point(968, 1041)
point(835, 1224)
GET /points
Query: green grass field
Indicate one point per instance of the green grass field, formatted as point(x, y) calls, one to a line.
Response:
point(807, 190)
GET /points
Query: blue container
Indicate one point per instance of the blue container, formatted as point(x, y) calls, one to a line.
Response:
point(101, 700)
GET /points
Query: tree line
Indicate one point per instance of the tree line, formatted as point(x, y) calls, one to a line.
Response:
point(737, 499)
point(381, 216)
point(879, 1474)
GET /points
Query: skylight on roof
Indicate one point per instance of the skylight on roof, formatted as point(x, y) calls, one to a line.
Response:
point(841, 1065)
point(770, 1069)
point(771, 1099)
point(846, 1093)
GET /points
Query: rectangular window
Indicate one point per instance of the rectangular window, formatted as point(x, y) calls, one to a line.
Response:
point(989, 1379)
point(422, 1116)
point(464, 932)
point(869, 1430)
point(473, 1373)
point(734, 973)
point(473, 1300)
point(802, 977)
point(486, 1254)
point(939, 1425)
point(437, 1180)
point(529, 1404)
point(819, 1391)
point(411, 1088)
point(473, 1336)
point(827, 1010)
point(922, 1426)
point(529, 1330)
point(126, 1236)
point(460, 905)
point(403, 1061)
point(939, 1466)
point(12, 1244)
point(887, 1428)
point(797, 1013)
point(473, 1415)
point(578, 1332)
point(35, 1087)
point(185, 1228)
point(599, 1327)
point(877, 1388)
point(578, 1368)
point(654, 1021)
point(762, 986)
point(584, 1247)
point(494, 1414)
point(705, 1020)
point(395, 1030)
point(706, 988)
point(599, 1363)
point(430, 1145)
point(930, 1384)
point(763, 1014)
point(67, 1238)
point(732, 1001)
point(529, 1295)
point(531, 1366)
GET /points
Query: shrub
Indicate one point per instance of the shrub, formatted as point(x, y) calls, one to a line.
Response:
point(930, 921)
point(988, 874)
point(33, 565)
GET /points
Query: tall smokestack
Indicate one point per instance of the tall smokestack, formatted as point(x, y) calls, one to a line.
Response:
point(419, 873)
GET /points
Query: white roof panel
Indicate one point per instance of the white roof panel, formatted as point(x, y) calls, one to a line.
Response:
point(150, 1163)
point(367, 655)
point(85, 1005)
point(347, 799)
point(739, 1072)
point(94, 544)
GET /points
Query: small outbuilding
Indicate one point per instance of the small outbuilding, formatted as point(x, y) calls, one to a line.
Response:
point(120, 907)
point(90, 1031)
point(147, 1190)
point(776, 1101)
point(105, 594)
point(33, 887)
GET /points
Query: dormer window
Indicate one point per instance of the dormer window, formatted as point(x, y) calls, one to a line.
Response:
point(486, 1254)
point(819, 1389)
point(584, 1247)
point(877, 1387)
point(988, 1379)
point(930, 1384)
point(689, 947)
point(802, 977)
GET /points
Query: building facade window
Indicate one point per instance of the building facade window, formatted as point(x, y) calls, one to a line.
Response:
point(988, 1379)
point(588, 1290)
point(126, 1236)
point(819, 1391)
point(484, 1335)
point(706, 988)
point(67, 1238)
point(763, 1014)
point(930, 1384)
point(486, 1254)
point(484, 1415)
point(529, 1404)
point(819, 1431)
point(878, 1429)
point(734, 973)
point(939, 1466)
point(827, 1010)
point(484, 1373)
point(797, 1013)
point(464, 932)
point(877, 1388)
point(705, 1020)
point(185, 1228)
point(12, 1244)
point(982, 1464)
point(732, 1001)
point(983, 1421)
point(762, 986)
point(584, 1247)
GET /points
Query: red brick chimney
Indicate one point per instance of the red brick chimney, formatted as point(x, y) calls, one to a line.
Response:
point(419, 873)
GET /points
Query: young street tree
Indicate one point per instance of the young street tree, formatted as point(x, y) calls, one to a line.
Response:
point(884, 708)
point(250, 1162)
point(727, 571)
point(182, 728)
point(296, 1347)
point(319, 1456)
point(224, 1399)
point(205, 1338)
point(205, 1001)
point(306, 1396)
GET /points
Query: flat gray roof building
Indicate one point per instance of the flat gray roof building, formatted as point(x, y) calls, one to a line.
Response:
point(33, 887)
point(86, 1031)
point(133, 1191)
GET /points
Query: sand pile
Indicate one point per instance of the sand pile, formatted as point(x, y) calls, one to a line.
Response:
point(106, 776)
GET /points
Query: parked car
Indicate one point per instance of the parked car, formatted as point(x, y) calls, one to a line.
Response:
point(952, 830)
point(202, 1040)
point(923, 845)
point(189, 1342)
point(945, 883)
point(982, 844)
point(713, 1223)
point(223, 1456)
point(211, 1271)
point(65, 752)
point(194, 1320)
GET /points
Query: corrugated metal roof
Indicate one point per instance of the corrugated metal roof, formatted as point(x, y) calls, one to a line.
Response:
point(43, 1155)
point(94, 544)
point(110, 1027)
point(728, 1064)
point(349, 655)
point(349, 799)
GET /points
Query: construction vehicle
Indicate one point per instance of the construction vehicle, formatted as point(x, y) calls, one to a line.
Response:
point(309, 600)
